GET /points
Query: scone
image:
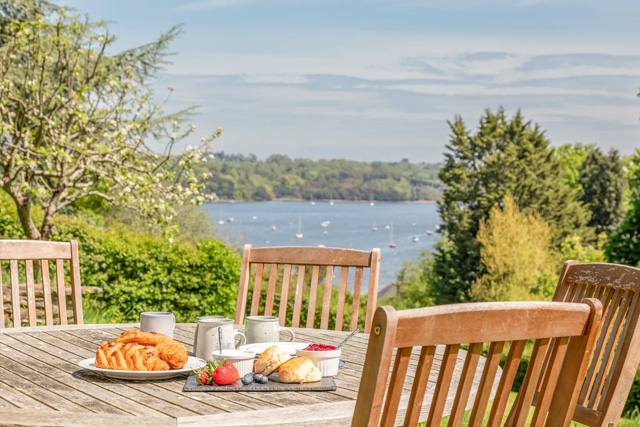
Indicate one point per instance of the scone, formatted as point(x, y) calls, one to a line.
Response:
point(270, 360)
point(299, 370)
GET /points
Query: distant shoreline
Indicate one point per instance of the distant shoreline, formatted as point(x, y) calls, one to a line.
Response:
point(319, 201)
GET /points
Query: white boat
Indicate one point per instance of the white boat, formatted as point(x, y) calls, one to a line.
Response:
point(220, 222)
point(299, 234)
point(429, 232)
point(230, 220)
point(273, 226)
point(373, 226)
point(321, 246)
point(325, 224)
point(254, 217)
point(386, 227)
point(437, 227)
point(415, 239)
point(331, 202)
point(325, 232)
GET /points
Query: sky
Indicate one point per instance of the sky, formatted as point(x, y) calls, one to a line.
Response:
point(379, 79)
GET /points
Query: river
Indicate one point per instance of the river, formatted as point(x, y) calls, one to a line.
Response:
point(348, 225)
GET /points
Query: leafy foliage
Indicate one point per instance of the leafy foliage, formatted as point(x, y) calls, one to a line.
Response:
point(515, 251)
point(505, 156)
point(623, 245)
point(247, 178)
point(603, 185)
point(78, 121)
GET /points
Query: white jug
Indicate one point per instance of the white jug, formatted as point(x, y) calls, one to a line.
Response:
point(213, 331)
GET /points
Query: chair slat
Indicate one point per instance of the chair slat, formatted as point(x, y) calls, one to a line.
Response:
point(394, 392)
point(549, 380)
point(313, 295)
point(62, 300)
point(609, 350)
point(2, 320)
point(372, 291)
point(611, 299)
point(284, 294)
point(326, 299)
point(243, 286)
point(46, 291)
point(76, 289)
point(297, 305)
point(31, 292)
point(509, 371)
point(355, 306)
point(271, 289)
point(628, 346)
point(419, 385)
point(344, 277)
point(464, 386)
point(442, 386)
point(528, 387)
point(491, 365)
point(257, 289)
point(15, 293)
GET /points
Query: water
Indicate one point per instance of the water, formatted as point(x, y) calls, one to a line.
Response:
point(350, 227)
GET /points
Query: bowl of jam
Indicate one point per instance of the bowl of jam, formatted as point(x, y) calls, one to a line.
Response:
point(325, 357)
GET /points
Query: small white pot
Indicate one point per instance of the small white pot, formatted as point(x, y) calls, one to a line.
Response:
point(241, 359)
point(326, 361)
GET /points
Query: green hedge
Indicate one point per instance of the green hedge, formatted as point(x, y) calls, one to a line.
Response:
point(142, 272)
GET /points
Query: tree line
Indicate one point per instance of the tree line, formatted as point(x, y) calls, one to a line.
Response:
point(239, 177)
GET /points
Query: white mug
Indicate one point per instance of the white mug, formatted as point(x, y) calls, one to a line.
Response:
point(265, 329)
point(161, 322)
point(212, 333)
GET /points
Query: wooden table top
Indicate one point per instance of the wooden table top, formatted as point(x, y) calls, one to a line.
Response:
point(41, 384)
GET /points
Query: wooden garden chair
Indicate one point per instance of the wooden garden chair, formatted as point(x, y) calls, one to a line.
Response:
point(39, 253)
point(573, 325)
point(308, 260)
point(617, 352)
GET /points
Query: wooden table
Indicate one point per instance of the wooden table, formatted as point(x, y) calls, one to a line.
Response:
point(41, 384)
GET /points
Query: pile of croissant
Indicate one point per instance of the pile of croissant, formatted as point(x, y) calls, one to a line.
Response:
point(141, 351)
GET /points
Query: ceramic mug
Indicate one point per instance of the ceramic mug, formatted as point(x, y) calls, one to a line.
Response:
point(213, 332)
point(161, 322)
point(265, 329)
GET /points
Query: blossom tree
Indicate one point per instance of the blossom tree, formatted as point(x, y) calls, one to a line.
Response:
point(77, 120)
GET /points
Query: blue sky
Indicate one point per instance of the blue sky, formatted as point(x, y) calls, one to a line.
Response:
point(378, 80)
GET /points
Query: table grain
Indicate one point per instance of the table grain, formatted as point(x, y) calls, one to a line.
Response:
point(41, 384)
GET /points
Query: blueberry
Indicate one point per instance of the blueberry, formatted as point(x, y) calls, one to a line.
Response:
point(247, 379)
point(263, 379)
point(256, 377)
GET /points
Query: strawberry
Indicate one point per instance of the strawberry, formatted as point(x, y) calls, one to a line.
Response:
point(225, 374)
point(204, 375)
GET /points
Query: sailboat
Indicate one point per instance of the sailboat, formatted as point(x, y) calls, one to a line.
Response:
point(373, 226)
point(273, 225)
point(391, 244)
point(299, 234)
point(414, 239)
point(220, 221)
point(331, 200)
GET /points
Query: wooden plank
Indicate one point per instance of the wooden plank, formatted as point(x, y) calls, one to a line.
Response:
point(483, 393)
point(419, 385)
point(297, 305)
point(355, 306)
point(326, 300)
point(372, 292)
point(243, 286)
point(2, 317)
point(528, 387)
point(15, 293)
point(257, 290)
point(509, 371)
point(271, 289)
point(31, 292)
point(34, 249)
point(311, 256)
point(436, 410)
point(62, 302)
point(46, 292)
point(464, 386)
point(75, 419)
point(284, 294)
point(344, 277)
point(76, 289)
point(549, 380)
point(614, 275)
point(394, 391)
point(313, 294)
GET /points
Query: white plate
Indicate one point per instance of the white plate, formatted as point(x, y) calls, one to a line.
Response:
point(289, 347)
point(193, 362)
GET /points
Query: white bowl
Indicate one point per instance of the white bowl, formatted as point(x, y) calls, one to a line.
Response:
point(326, 361)
point(241, 359)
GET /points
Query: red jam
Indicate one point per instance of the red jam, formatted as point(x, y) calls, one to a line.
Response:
point(319, 347)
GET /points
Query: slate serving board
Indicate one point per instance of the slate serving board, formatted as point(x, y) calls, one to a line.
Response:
point(326, 384)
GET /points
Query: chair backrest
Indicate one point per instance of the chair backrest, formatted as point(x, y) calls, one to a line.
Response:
point(617, 352)
point(500, 325)
point(304, 261)
point(36, 288)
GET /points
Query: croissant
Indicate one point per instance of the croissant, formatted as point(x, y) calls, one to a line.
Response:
point(129, 357)
point(141, 351)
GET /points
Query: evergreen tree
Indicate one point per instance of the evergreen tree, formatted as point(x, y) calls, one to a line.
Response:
point(503, 156)
point(623, 245)
point(603, 185)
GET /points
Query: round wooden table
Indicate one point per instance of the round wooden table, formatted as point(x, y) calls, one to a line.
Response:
point(41, 384)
